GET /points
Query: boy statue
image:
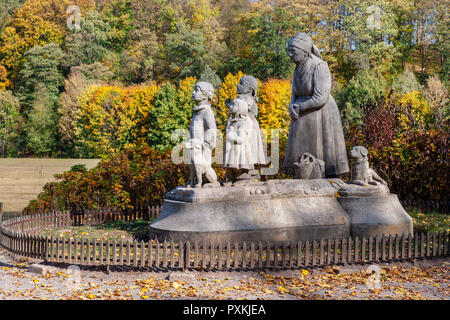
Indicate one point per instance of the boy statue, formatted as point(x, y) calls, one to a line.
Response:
point(202, 137)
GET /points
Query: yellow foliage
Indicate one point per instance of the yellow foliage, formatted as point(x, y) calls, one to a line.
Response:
point(274, 97)
point(201, 11)
point(185, 88)
point(38, 22)
point(112, 118)
point(414, 111)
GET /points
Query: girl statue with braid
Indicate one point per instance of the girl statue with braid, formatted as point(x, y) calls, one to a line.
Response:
point(244, 146)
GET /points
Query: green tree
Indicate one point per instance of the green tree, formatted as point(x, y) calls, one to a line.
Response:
point(41, 126)
point(9, 121)
point(90, 44)
point(261, 39)
point(367, 90)
point(370, 28)
point(41, 67)
point(186, 54)
point(172, 110)
point(119, 15)
point(7, 8)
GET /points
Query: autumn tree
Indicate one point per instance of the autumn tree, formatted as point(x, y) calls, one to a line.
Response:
point(37, 23)
point(437, 96)
point(4, 82)
point(111, 119)
point(74, 87)
point(274, 97)
point(228, 90)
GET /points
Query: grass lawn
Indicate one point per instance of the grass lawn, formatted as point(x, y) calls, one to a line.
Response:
point(432, 221)
point(119, 230)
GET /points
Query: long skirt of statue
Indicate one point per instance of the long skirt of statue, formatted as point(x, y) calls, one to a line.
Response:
point(238, 148)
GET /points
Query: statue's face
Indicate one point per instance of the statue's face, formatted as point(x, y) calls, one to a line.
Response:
point(297, 55)
point(242, 88)
point(197, 94)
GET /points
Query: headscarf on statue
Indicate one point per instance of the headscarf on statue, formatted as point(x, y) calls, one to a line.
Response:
point(304, 42)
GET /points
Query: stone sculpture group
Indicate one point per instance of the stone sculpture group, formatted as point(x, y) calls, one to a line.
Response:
point(313, 205)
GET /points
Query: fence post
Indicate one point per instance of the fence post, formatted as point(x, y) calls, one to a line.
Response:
point(446, 242)
point(236, 255)
point(204, 254)
point(219, 256)
point(260, 254)
point(187, 255)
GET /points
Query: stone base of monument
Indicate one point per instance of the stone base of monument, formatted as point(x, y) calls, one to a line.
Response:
point(373, 210)
point(280, 210)
point(276, 210)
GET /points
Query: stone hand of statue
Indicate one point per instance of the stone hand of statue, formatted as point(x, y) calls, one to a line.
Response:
point(293, 113)
point(234, 138)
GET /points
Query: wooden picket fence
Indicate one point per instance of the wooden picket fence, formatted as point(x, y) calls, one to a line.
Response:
point(20, 236)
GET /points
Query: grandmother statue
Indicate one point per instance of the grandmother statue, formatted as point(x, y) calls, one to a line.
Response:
point(243, 146)
point(315, 121)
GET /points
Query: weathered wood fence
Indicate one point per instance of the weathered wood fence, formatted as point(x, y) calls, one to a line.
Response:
point(21, 237)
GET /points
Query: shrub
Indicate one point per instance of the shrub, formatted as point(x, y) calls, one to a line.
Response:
point(366, 90)
point(405, 82)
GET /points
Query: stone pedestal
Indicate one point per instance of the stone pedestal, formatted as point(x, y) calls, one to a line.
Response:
point(372, 213)
point(276, 210)
point(280, 210)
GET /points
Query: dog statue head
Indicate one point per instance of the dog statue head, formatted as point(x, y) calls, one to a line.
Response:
point(359, 153)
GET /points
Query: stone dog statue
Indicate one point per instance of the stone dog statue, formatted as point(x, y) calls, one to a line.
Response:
point(362, 174)
point(199, 166)
point(309, 167)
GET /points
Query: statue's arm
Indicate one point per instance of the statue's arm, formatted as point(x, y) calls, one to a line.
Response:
point(322, 88)
point(210, 129)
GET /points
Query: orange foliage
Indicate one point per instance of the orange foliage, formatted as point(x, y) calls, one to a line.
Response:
point(228, 90)
point(4, 83)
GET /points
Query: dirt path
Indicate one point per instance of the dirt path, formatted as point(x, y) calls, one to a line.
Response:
point(429, 279)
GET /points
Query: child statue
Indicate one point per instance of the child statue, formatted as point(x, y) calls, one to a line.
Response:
point(202, 137)
point(243, 146)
